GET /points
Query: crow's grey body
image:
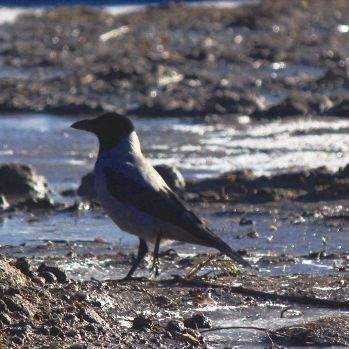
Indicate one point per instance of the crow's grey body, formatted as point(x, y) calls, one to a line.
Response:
point(134, 195)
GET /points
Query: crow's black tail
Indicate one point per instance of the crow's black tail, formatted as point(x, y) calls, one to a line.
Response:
point(210, 239)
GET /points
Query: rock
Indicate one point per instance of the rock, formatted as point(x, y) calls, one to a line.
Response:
point(289, 107)
point(142, 323)
point(197, 321)
point(340, 109)
point(19, 330)
point(68, 192)
point(23, 265)
point(175, 326)
point(49, 277)
point(229, 102)
point(90, 315)
point(252, 234)
point(307, 185)
point(173, 178)
point(80, 296)
point(86, 188)
point(333, 78)
point(245, 221)
point(22, 181)
point(58, 273)
point(30, 204)
point(343, 172)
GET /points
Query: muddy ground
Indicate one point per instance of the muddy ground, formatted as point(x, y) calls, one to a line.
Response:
point(267, 60)
point(41, 307)
point(67, 294)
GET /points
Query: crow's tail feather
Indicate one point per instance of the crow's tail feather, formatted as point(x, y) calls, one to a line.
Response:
point(210, 239)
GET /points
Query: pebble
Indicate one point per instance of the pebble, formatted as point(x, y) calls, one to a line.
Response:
point(141, 323)
point(175, 326)
point(197, 321)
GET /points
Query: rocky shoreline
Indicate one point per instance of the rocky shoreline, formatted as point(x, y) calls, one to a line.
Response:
point(41, 307)
point(179, 61)
point(23, 189)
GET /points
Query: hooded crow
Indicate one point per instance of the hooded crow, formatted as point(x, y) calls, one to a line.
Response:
point(137, 198)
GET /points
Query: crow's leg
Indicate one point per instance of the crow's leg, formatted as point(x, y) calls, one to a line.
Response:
point(142, 251)
point(156, 255)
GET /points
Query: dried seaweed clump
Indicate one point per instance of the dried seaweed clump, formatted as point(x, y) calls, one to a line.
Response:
point(329, 330)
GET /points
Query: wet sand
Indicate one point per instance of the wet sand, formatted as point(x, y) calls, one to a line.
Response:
point(178, 61)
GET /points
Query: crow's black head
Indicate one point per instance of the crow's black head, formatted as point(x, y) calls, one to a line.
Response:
point(108, 127)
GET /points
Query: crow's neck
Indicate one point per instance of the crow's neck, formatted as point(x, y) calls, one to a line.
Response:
point(121, 147)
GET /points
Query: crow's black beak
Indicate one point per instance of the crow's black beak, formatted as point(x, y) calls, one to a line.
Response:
point(85, 125)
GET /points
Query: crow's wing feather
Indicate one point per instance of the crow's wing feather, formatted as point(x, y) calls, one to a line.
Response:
point(160, 202)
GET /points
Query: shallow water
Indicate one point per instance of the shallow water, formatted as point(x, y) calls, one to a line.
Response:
point(199, 149)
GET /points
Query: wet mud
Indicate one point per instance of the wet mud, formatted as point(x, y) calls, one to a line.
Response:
point(41, 306)
point(315, 185)
point(266, 59)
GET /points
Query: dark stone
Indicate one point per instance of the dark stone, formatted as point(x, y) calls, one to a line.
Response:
point(68, 192)
point(141, 323)
point(19, 331)
point(45, 203)
point(90, 328)
point(343, 172)
point(289, 107)
point(86, 188)
point(23, 181)
point(23, 265)
point(197, 321)
point(340, 109)
point(252, 234)
point(245, 221)
point(58, 273)
point(49, 277)
point(79, 296)
point(174, 326)
point(43, 330)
